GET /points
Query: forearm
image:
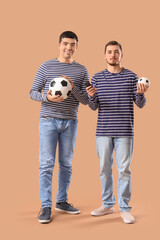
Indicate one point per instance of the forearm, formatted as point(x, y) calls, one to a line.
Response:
point(79, 95)
point(38, 96)
point(140, 100)
point(93, 103)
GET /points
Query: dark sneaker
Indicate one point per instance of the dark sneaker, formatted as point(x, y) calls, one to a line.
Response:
point(66, 207)
point(45, 216)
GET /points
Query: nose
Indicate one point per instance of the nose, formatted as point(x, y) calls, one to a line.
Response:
point(68, 46)
point(112, 55)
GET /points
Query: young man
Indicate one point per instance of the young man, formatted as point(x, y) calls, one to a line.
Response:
point(113, 93)
point(58, 123)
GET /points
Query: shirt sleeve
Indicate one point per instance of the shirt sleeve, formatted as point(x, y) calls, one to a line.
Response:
point(138, 98)
point(93, 102)
point(38, 85)
point(80, 92)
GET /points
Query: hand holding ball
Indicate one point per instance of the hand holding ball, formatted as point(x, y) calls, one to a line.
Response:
point(143, 85)
point(145, 81)
point(60, 86)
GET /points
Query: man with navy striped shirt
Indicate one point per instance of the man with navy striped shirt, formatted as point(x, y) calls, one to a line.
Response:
point(113, 92)
point(58, 123)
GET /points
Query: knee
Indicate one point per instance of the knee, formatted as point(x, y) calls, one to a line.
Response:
point(124, 173)
point(65, 167)
point(46, 167)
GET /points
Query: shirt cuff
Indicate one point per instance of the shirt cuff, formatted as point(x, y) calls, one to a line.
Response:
point(44, 98)
point(91, 98)
point(74, 89)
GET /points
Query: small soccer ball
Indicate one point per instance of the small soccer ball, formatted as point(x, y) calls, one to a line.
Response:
point(60, 86)
point(145, 81)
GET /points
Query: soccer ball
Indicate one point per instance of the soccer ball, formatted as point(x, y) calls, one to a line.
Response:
point(145, 81)
point(60, 86)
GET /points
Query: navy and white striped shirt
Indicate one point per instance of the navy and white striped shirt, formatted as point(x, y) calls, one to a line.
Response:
point(114, 99)
point(68, 108)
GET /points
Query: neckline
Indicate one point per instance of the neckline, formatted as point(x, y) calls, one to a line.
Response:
point(64, 62)
point(115, 73)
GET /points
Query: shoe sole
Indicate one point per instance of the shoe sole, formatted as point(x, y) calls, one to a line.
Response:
point(44, 221)
point(97, 215)
point(61, 210)
point(128, 221)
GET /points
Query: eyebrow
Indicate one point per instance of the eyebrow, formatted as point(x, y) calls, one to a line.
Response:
point(109, 50)
point(71, 43)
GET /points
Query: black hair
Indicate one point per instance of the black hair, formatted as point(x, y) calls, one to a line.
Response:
point(68, 34)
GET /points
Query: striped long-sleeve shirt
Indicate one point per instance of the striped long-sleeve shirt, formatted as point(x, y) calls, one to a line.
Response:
point(114, 99)
point(68, 108)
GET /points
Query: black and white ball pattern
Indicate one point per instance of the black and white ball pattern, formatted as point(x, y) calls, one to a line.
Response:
point(60, 86)
point(145, 81)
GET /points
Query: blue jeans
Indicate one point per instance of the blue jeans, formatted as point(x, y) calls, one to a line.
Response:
point(51, 132)
point(123, 150)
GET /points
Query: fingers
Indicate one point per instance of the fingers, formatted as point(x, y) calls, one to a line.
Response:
point(138, 88)
point(145, 88)
point(141, 88)
point(64, 76)
point(89, 87)
point(68, 80)
point(91, 91)
point(56, 98)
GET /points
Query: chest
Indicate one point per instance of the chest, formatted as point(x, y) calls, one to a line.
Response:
point(73, 73)
point(109, 90)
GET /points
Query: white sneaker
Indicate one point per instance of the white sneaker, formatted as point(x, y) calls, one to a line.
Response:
point(102, 211)
point(127, 217)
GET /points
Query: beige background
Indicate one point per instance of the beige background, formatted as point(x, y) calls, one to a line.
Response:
point(29, 36)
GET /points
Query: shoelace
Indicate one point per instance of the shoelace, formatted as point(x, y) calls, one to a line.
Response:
point(45, 210)
point(69, 203)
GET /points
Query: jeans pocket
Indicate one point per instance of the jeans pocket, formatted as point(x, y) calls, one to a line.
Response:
point(46, 118)
point(75, 120)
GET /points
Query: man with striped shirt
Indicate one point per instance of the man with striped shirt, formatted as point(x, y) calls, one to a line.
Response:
point(113, 92)
point(58, 123)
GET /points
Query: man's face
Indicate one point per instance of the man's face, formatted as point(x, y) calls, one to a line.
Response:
point(67, 47)
point(113, 55)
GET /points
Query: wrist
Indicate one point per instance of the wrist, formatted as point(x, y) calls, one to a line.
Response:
point(47, 98)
